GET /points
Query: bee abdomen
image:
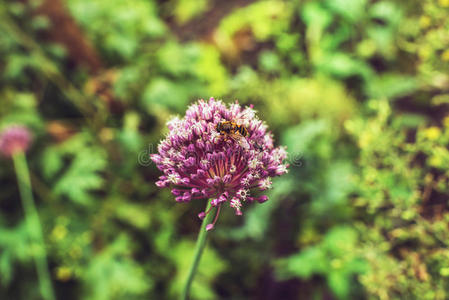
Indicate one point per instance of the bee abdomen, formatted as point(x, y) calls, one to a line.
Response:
point(243, 130)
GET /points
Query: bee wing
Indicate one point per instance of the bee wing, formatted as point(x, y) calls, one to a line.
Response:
point(240, 140)
point(244, 143)
point(234, 136)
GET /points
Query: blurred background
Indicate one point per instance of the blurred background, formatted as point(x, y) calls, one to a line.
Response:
point(358, 90)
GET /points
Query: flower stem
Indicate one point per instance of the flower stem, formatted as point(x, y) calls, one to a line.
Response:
point(200, 243)
point(33, 226)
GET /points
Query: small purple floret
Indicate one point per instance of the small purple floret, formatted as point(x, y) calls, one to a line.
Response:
point(200, 163)
point(14, 139)
point(202, 215)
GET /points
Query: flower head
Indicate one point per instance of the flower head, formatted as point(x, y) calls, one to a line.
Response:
point(199, 162)
point(14, 139)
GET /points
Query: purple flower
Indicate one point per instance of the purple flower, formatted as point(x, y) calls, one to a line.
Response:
point(200, 163)
point(13, 139)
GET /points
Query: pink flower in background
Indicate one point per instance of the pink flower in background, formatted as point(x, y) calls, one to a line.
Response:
point(13, 139)
point(199, 162)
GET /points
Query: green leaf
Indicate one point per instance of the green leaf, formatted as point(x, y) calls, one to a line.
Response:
point(186, 10)
point(305, 264)
point(134, 214)
point(83, 173)
point(164, 92)
point(14, 248)
point(352, 10)
point(269, 61)
point(114, 274)
point(340, 284)
point(344, 65)
point(51, 162)
point(391, 86)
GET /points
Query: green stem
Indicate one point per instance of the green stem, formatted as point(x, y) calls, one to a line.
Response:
point(33, 226)
point(200, 243)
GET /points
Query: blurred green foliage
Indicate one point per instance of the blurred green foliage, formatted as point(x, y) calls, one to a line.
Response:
point(358, 90)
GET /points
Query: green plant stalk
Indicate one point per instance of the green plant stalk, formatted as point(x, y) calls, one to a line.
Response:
point(200, 244)
point(33, 226)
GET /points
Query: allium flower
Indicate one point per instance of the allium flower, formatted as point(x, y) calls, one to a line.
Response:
point(200, 163)
point(13, 139)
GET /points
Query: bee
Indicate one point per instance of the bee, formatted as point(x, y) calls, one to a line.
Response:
point(229, 127)
point(234, 131)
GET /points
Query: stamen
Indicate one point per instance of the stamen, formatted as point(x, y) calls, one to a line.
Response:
point(210, 208)
point(203, 214)
point(211, 226)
